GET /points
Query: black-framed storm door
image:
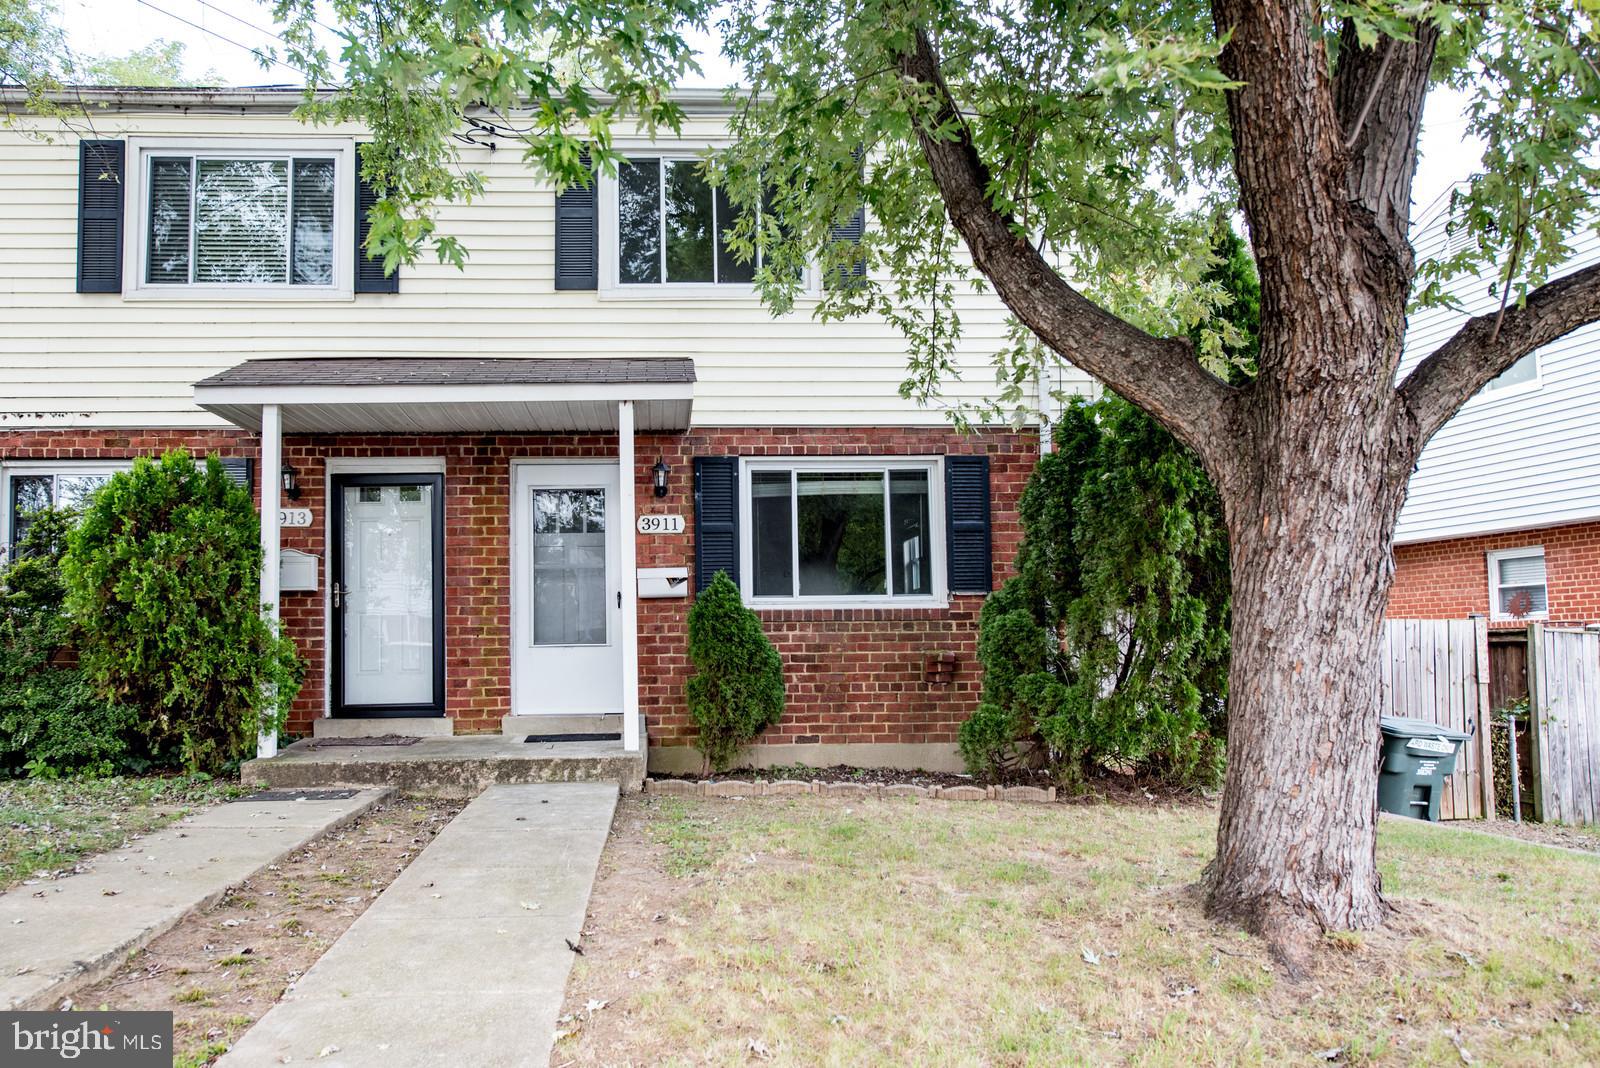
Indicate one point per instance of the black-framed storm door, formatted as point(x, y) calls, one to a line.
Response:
point(386, 575)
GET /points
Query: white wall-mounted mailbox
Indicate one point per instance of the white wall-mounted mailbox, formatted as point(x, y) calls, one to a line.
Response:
point(655, 582)
point(297, 571)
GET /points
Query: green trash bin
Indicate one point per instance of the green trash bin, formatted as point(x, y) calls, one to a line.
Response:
point(1417, 757)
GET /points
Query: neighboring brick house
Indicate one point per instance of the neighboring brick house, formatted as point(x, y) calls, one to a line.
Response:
point(1503, 517)
point(458, 461)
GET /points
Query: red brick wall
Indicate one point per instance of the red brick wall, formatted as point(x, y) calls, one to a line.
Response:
point(852, 676)
point(1450, 579)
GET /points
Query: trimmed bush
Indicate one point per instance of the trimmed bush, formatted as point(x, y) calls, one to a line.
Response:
point(1109, 649)
point(163, 581)
point(52, 722)
point(737, 689)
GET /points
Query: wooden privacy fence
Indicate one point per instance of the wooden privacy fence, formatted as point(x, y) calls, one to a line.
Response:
point(1438, 670)
point(1564, 709)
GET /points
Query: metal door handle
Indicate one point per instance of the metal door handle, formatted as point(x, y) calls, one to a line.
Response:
point(619, 598)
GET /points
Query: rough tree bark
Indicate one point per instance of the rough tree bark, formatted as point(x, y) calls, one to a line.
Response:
point(1312, 458)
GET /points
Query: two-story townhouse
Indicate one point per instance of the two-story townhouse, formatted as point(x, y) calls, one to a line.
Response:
point(491, 492)
point(1503, 517)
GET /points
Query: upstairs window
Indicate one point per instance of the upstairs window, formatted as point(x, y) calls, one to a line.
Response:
point(671, 225)
point(240, 222)
point(1525, 372)
point(1517, 588)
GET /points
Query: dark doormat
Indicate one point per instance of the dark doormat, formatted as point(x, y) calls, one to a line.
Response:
point(574, 737)
point(377, 739)
point(298, 795)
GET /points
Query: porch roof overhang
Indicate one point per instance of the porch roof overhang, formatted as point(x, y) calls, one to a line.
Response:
point(415, 395)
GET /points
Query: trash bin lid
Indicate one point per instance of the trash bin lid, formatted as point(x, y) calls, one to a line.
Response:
point(1405, 727)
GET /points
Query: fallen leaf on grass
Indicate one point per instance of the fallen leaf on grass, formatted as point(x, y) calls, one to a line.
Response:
point(1332, 1054)
point(1090, 956)
point(759, 1048)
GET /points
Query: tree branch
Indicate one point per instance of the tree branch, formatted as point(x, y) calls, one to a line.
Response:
point(1160, 375)
point(1378, 95)
point(1480, 351)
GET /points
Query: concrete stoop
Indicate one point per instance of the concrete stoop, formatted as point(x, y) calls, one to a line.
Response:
point(448, 767)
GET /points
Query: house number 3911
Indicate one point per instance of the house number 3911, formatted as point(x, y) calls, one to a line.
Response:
point(661, 524)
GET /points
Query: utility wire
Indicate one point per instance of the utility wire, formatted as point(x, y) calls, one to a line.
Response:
point(257, 52)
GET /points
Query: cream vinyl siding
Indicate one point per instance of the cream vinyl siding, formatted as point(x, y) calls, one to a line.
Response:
point(1522, 458)
point(71, 359)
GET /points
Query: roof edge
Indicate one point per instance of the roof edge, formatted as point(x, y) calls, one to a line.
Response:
point(267, 98)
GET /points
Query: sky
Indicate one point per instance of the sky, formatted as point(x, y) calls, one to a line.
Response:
point(219, 34)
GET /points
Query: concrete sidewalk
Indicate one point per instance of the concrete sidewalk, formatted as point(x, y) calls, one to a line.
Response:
point(60, 936)
point(463, 960)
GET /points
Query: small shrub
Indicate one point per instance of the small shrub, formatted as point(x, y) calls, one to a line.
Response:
point(163, 581)
point(737, 689)
point(52, 722)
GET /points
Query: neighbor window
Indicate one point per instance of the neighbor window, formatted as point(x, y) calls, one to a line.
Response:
point(843, 531)
point(1517, 587)
point(243, 219)
point(1521, 373)
point(28, 489)
point(671, 225)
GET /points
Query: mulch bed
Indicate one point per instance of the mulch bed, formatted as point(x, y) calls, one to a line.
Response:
point(1108, 787)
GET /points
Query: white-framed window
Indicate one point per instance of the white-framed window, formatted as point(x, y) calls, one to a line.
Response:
point(1517, 588)
point(28, 485)
point(1522, 376)
point(232, 219)
point(662, 233)
point(842, 532)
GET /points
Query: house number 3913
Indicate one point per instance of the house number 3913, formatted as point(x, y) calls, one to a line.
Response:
point(661, 524)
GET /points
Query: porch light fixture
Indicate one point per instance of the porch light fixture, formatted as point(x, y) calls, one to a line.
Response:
point(291, 485)
point(661, 471)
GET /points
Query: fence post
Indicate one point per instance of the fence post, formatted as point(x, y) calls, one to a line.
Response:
point(1535, 712)
point(1485, 724)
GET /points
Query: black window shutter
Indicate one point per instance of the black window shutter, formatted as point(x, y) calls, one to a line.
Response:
point(716, 518)
point(100, 167)
point(851, 231)
point(238, 469)
point(578, 236)
point(966, 509)
point(369, 271)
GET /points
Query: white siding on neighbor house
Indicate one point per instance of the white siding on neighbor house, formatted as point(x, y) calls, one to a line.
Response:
point(1527, 457)
point(71, 359)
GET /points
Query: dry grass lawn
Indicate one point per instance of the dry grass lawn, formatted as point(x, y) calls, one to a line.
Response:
point(813, 931)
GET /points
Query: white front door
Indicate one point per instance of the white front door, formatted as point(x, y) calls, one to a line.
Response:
point(386, 595)
point(566, 599)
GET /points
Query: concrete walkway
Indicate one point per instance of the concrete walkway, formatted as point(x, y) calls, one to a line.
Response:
point(59, 936)
point(464, 959)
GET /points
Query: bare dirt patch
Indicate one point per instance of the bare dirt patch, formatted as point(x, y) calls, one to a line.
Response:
point(1586, 839)
point(828, 931)
point(220, 970)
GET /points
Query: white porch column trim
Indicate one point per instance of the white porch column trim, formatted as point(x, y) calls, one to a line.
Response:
point(630, 580)
point(271, 464)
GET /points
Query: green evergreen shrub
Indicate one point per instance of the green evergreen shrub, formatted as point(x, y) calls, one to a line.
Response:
point(163, 581)
point(1109, 648)
point(736, 691)
point(52, 722)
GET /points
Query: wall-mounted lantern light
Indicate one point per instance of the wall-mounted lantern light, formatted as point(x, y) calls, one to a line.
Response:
point(661, 471)
point(291, 485)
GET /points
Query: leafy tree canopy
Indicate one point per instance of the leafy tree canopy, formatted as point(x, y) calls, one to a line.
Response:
point(1104, 129)
point(159, 63)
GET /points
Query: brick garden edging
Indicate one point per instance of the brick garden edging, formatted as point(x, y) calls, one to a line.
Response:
point(797, 787)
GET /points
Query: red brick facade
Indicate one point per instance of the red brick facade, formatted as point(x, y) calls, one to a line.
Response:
point(859, 675)
point(1450, 579)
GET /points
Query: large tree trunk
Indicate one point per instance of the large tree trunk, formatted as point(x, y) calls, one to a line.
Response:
point(1311, 522)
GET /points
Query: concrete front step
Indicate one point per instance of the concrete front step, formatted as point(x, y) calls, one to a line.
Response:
point(520, 727)
point(383, 727)
point(448, 767)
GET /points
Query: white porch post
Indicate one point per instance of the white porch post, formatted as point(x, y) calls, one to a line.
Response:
point(271, 464)
point(630, 580)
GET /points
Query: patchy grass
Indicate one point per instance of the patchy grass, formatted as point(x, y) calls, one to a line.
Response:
point(819, 931)
point(47, 826)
